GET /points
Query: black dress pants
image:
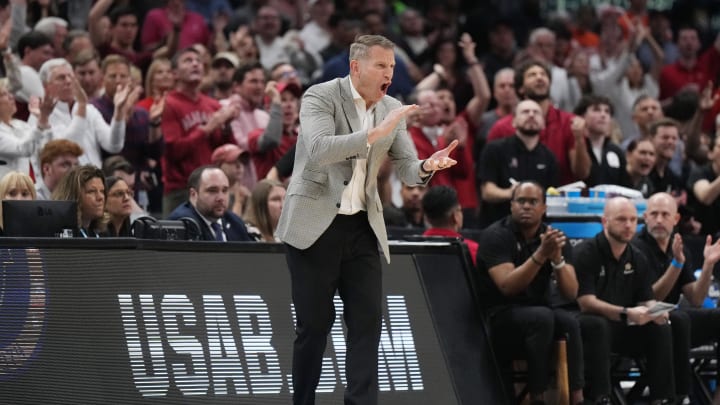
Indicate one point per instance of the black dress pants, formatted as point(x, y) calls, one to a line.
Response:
point(344, 259)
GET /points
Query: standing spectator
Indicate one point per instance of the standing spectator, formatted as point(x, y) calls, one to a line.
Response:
point(221, 71)
point(18, 140)
point(445, 216)
point(661, 32)
point(614, 293)
point(86, 186)
point(158, 81)
point(502, 47)
point(285, 73)
point(174, 19)
point(541, 46)
point(74, 119)
point(86, 66)
point(207, 204)
point(267, 145)
point(56, 29)
point(193, 125)
point(690, 70)
point(412, 38)
point(665, 137)
point(123, 32)
point(521, 157)
point(505, 101)
point(76, 42)
point(315, 34)
point(704, 185)
point(34, 49)
point(532, 81)
point(57, 158)
point(264, 210)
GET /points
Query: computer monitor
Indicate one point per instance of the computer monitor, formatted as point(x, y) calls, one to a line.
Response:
point(39, 218)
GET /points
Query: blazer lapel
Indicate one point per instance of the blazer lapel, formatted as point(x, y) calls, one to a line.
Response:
point(348, 105)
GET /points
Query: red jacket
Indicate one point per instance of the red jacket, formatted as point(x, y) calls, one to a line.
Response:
point(471, 244)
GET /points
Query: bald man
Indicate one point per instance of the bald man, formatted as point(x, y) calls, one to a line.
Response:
point(613, 294)
point(671, 272)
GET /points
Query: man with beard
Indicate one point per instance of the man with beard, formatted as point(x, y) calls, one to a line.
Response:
point(193, 125)
point(208, 188)
point(520, 255)
point(665, 136)
point(506, 161)
point(562, 130)
point(608, 161)
point(221, 70)
point(615, 292)
point(671, 272)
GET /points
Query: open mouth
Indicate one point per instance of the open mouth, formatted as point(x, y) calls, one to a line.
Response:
point(384, 87)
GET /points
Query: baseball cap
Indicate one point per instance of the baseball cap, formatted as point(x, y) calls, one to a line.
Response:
point(227, 153)
point(228, 56)
point(291, 87)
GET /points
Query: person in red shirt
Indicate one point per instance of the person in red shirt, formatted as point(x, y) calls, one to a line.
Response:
point(188, 27)
point(532, 81)
point(123, 32)
point(445, 216)
point(267, 145)
point(690, 70)
point(193, 125)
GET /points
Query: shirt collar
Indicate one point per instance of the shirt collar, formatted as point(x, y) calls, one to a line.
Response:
point(357, 98)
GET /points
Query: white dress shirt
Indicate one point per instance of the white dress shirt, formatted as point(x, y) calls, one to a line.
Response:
point(353, 197)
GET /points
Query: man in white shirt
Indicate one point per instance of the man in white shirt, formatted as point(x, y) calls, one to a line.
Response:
point(80, 122)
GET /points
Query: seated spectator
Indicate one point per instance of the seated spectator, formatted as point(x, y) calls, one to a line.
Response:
point(665, 136)
point(519, 256)
point(608, 160)
point(18, 140)
point(119, 206)
point(85, 185)
point(15, 186)
point(445, 216)
point(57, 158)
point(264, 210)
point(232, 161)
point(118, 166)
point(267, 145)
point(640, 159)
point(410, 214)
point(614, 295)
point(208, 206)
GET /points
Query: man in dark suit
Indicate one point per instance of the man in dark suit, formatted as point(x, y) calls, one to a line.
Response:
point(208, 206)
point(332, 219)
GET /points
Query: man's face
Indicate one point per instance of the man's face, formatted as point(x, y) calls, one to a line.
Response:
point(502, 39)
point(504, 90)
point(222, 73)
point(373, 74)
point(189, 68)
point(252, 88)
point(447, 106)
point(60, 83)
point(117, 74)
point(597, 119)
point(57, 168)
point(78, 45)
point(125, 30)
point(536, 84)
point(545, 45)
point(92, 200)
point(527, 207)
point(430, 107)
point(665, 141)
point(412, 23)
point(688, 43)
point(290, 108)
point(60, 34)
point(211, 200)
point(267, 22)
point(89, 76)
point(642, 159)
point(528, 119)
point(36, 57)
point(412, 197)
point(661, 216)
point(646, 112)
point(620, 221)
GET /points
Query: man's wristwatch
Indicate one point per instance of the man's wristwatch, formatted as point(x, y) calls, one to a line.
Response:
point(624, 315)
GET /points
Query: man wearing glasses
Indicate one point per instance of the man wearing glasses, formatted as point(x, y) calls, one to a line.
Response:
point(521, 157)
point(519, 260)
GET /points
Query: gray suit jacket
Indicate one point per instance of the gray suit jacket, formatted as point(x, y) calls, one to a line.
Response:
point(330, 139)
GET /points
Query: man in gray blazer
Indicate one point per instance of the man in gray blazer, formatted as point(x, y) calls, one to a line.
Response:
point(332, 220)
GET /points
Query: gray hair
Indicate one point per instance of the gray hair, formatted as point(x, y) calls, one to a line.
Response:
point(359, 49)
point(48, 66)
point(538, 32)
point(504, 71)
point(48, 25)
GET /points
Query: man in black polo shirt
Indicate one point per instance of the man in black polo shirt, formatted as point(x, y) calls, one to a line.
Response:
point(607, 158)
point(516, 158)
point(671, 273)
point(704, 186)
point(665, 135)
point(519, 259)
point(614, 293)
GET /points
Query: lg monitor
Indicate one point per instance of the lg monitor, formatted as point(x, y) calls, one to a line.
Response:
point(39, 218)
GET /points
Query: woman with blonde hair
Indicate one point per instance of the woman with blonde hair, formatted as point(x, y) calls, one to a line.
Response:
point(86, 186)
point(263, 212)
point(18, 140)
point(158, 81)
point(16, 186)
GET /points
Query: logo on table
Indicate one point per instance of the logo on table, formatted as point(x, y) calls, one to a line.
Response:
point(22, 309)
